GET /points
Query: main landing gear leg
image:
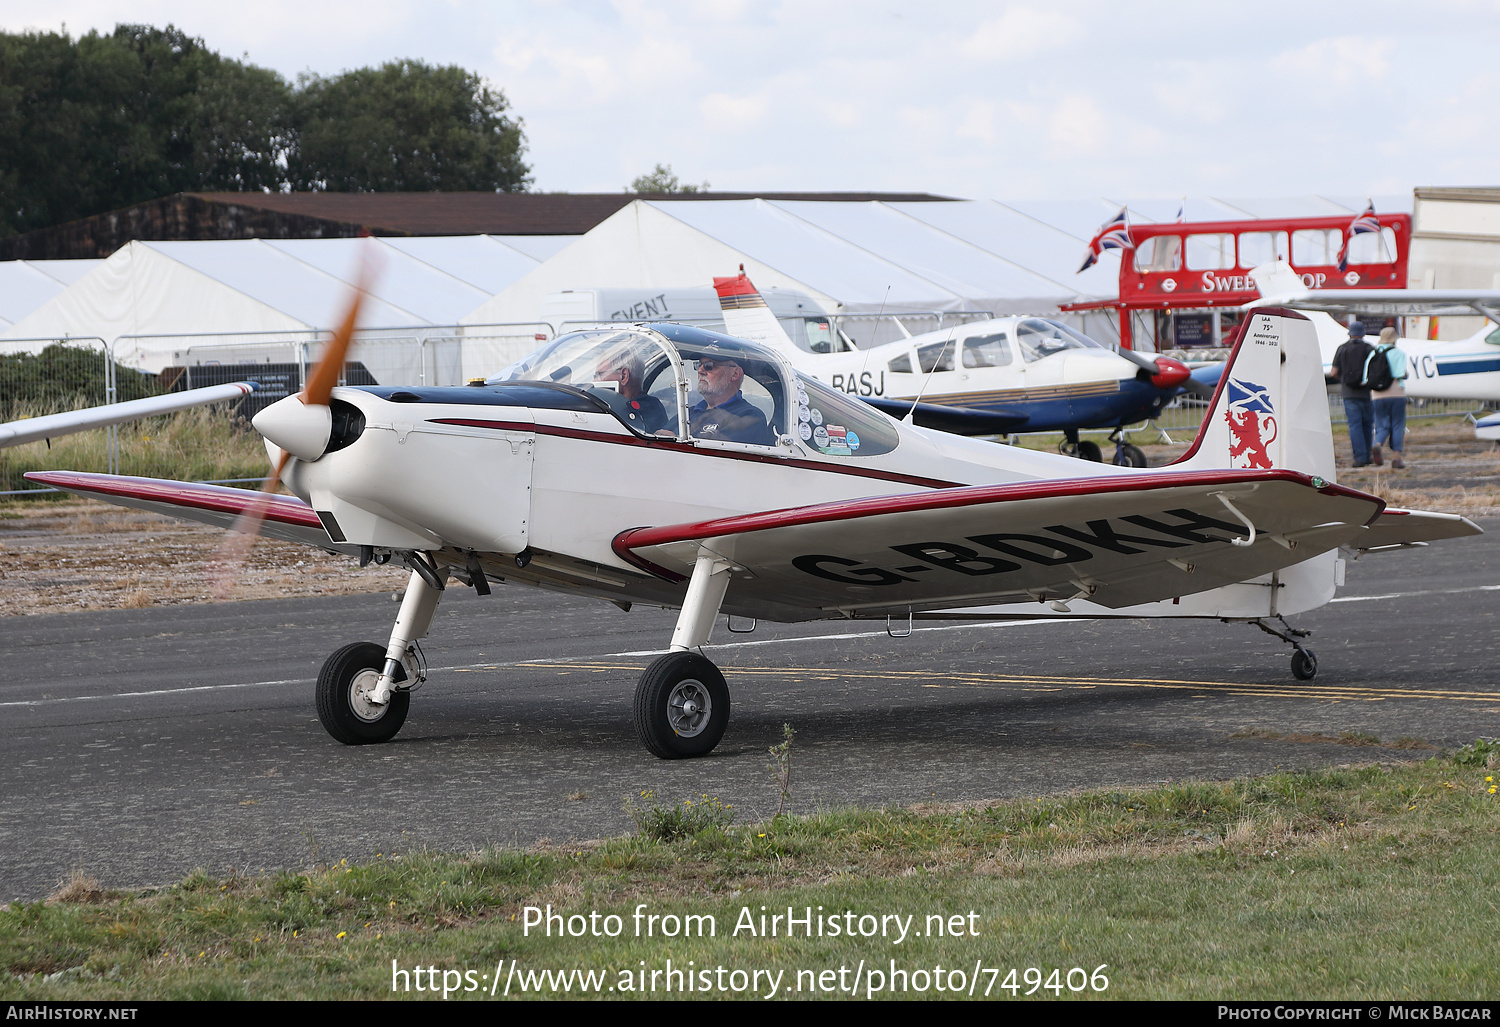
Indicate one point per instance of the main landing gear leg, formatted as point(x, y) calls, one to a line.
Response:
point(682, 702)
point(358, 701)
point(1304, 662)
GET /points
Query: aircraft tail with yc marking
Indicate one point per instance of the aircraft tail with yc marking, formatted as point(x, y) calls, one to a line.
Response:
point(1270, 408)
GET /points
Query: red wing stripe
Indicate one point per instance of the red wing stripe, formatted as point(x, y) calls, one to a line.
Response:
point(975, 495)
point(218, 498)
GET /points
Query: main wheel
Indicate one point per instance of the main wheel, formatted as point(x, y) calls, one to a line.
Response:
point(1090, 451)
point(681, 706)
point(344, 686)
point(1304, 665)
point(1130, 456)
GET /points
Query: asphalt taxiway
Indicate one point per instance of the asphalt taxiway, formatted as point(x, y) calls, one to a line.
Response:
point(139, 744)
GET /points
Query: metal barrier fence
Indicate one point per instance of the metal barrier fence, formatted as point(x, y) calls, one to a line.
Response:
point(46, 375)
point(1182, 417)
point(51, 375)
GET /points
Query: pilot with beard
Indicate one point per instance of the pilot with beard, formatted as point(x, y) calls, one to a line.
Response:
point(724, 413)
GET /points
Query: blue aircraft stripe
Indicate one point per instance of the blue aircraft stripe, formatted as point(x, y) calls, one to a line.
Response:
point(1468, 366)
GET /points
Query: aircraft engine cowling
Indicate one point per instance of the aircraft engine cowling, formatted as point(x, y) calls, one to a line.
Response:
point(300, 428)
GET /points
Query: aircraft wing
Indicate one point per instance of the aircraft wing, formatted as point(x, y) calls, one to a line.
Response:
point(1391, 302)
point(1117, 541)
point(286, 517)
point(50, 426)
point(954, 420)
point(1401, 529)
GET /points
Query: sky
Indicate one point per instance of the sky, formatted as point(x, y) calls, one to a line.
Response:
point(1028, 100)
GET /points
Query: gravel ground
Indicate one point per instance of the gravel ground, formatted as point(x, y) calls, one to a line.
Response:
point(83, 555)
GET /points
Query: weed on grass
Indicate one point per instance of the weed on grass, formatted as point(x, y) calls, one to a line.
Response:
point(1361, 882)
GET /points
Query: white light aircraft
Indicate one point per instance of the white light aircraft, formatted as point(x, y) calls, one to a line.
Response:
point(671, 466)
point(50, 426)
point(986, 377)
point(1459, 369)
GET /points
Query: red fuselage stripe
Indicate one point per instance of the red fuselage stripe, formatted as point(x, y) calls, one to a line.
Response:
point(687, 447)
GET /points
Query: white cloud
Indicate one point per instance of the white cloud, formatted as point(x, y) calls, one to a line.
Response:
point(732, 112)
point(1017, 31)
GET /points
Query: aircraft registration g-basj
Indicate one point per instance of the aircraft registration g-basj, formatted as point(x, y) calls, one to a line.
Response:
point(986, 377)
point(1457, 369)
point(671, 466)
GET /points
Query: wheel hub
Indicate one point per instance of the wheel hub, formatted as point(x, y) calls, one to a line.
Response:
point(360, 690)
point(689, 708)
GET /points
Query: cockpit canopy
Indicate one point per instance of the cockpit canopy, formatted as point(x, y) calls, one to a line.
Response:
point(676, 381)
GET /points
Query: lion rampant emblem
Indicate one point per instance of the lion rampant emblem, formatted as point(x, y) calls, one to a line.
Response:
point(1252, 424)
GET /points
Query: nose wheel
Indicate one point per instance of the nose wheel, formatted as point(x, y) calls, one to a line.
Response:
point(345, 684)
point(681, 706)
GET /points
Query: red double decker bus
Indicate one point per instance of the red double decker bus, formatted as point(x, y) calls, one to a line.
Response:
point(1177, 281)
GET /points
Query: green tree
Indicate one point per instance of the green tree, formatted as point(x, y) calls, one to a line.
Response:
point(663, 180)
point(405, 126)
point(103, 122)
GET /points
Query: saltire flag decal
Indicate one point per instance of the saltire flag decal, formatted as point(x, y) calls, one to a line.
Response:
point(1365, 223)
point(1252, 424)
point(1114, 234)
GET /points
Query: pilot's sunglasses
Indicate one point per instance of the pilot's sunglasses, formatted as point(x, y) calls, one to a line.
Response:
point(714, 365)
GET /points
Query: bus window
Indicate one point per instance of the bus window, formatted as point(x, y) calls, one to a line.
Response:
point(1210, 251)
point(1373, 247)
point(1312, 247)
point(1159, 253)
point(1257, 248)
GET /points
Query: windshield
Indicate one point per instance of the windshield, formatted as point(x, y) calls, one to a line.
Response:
point(732, 390)
point(1041, 338)
point(630, 370)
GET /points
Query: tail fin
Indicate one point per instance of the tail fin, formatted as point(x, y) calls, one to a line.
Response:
point(1277, 279)
point(1270, 408)
point(746, 315)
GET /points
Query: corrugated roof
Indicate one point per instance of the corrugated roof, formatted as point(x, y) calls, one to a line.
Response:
point(476, 213)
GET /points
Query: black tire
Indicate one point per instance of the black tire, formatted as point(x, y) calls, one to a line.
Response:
point(1090, 451)
point(1304, 665)
point(344, 674)
point(1130, 456)
point(681, 706)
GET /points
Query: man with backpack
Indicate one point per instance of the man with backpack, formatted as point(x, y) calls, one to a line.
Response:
point(1349, 363)
point(1387, 372)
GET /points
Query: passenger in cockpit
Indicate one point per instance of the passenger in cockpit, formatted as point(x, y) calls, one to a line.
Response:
point(626, 367)
point(724, 413)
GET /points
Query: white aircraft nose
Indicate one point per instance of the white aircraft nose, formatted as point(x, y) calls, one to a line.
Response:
point(299, 428)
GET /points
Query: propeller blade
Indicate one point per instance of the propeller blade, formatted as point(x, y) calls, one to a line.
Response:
point(229, 559)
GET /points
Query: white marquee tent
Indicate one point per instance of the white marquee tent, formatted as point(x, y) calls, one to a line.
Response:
point(868, 257)
point(152, 300)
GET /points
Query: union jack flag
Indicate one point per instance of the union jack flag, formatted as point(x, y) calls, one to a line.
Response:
point(1114, 234)
point(1365, 223)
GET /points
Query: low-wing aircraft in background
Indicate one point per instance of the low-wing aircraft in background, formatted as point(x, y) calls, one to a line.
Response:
point(676, 467)
point(1458, 369)
point(50, 426)
point(986, 377)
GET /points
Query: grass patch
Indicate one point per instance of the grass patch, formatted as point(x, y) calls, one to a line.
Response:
point(1367, 882)
point(192, 445)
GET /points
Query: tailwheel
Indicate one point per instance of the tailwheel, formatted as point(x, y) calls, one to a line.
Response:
point(345, 683)
point(681, 706)
point(1304, 664)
